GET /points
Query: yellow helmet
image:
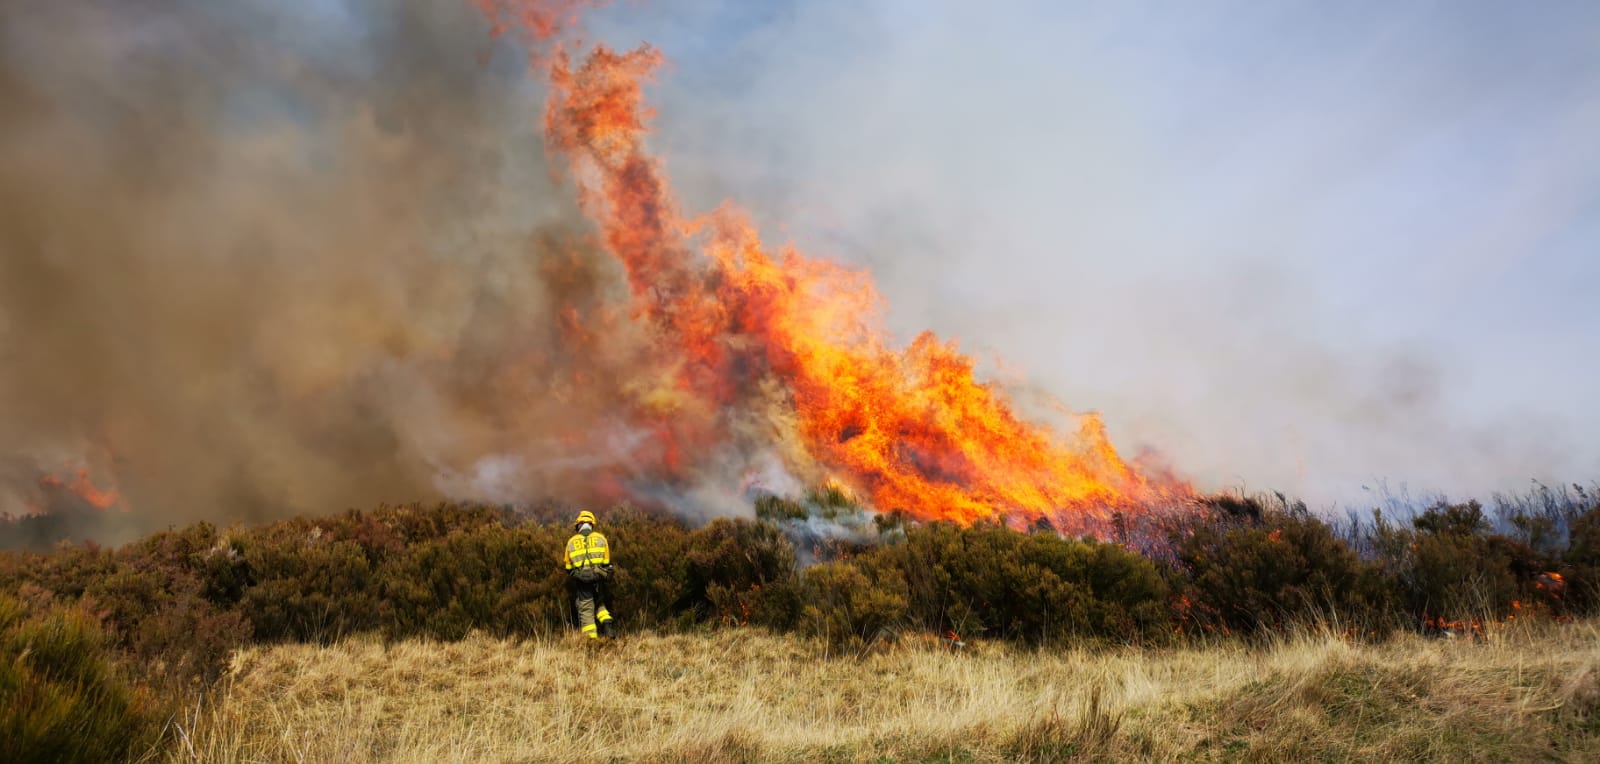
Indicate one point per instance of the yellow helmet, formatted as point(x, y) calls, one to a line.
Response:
point(585, 517)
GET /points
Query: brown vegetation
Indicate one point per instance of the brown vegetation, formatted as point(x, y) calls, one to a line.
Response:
point(165, 616)
point(1523, 692)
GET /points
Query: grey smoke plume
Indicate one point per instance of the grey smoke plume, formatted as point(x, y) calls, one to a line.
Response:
point(258, 259)
point(261, 258)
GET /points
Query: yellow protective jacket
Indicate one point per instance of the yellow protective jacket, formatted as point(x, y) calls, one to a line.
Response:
point(584, 551)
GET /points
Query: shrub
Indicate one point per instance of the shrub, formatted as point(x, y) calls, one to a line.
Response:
point(849, 607)
point(505, 581)
point(177, 602)
point(731, 566)
point(652, 564)
point(778, 509)
point(171, 605)
point(1037, 588)
point(1272, 571)
point(62, 696)
point(308, 588)
point(1449, 568)
point(1581, 589)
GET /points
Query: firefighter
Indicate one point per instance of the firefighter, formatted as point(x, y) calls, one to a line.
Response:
point(588, 561)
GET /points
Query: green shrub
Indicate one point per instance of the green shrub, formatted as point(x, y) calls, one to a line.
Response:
point(849, 608)
point(309, 590)
point(178, 601)
point(62, 696)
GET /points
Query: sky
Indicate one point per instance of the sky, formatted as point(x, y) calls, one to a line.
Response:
point(267, 257)
point(1300, 246)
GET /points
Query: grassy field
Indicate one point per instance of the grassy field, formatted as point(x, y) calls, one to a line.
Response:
point(1522, 693)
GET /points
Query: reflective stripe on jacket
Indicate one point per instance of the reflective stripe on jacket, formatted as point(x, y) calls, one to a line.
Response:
point(587, 550)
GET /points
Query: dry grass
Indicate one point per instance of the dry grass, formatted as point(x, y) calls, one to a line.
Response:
point(1524, 693)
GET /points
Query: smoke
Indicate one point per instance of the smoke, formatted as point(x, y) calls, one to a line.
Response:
point(262, 258)
point(1289, 248)
point(258, 259)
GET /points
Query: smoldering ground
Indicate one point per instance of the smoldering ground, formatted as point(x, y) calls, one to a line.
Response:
point(258, 259)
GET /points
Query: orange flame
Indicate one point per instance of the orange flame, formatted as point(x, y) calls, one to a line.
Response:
point(539, 19)
point(83, 488)
point(739, 327)
point(1551, 583)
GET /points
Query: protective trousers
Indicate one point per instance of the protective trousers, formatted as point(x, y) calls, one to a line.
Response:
point(591, 609)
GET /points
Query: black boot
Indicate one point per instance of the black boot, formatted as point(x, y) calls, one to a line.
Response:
point(607, 630)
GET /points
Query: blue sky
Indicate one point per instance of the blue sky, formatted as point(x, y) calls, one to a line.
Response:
point(1294, 245)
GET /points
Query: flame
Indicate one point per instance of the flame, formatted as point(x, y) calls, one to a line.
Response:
point(1548, 584)
point(83, 488)
point(744, 334)
point(1551, 583)
point(1454, 628)
point(540, 20)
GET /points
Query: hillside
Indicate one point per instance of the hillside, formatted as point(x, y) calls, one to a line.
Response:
point(373, 635)
point(1520, 693)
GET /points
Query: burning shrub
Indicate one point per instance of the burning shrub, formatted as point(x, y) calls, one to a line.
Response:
point(1450, 570)
point(1582, 558)
point(774, 508)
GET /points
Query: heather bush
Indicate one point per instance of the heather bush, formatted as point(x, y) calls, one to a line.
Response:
point(308, 588)
point(1038, 588)
point(1581, 560)
point(1449, 569)
point(1269, 570)
point(392, 527)
point(501, 580)
point(851, 607)
point(168, 598)
point(63, 574)
point(177, 602)
point(653, 566)
point(155, 596)
point(732, 568)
